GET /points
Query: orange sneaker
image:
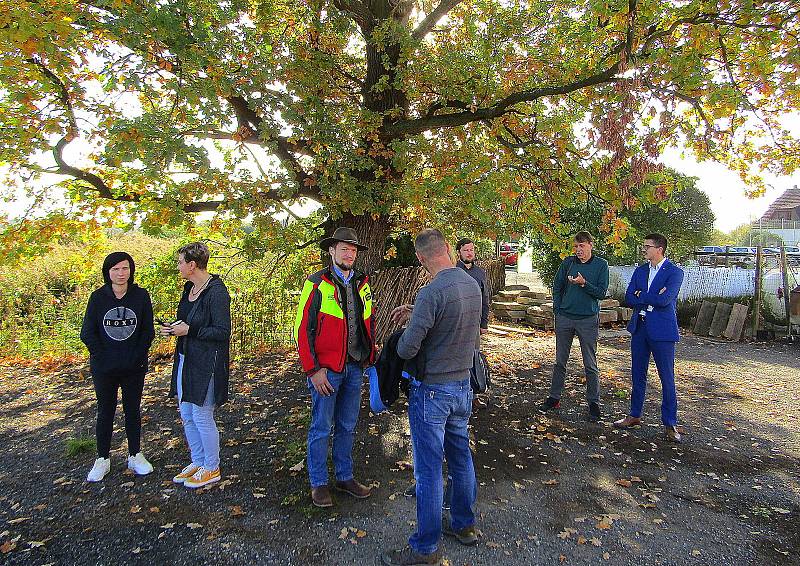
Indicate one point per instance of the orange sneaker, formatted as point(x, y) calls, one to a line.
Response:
point(186, 473)
point(203, 477)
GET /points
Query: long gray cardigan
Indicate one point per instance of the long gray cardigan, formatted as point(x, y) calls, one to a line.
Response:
point(207, 346)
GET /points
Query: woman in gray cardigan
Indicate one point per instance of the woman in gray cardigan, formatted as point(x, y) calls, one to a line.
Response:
point(200, 371)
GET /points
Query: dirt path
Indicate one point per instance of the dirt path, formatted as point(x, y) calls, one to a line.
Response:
point(553, 489)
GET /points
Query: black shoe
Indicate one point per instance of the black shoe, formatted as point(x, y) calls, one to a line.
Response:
point(411, 491)
point(594, 412)
point(550, 404)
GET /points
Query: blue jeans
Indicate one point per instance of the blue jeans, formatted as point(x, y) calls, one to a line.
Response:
point(201, 431)
point(336, 414)
point(439, 418)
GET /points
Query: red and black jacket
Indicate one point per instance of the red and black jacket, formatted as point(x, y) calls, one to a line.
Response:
point(320, 327)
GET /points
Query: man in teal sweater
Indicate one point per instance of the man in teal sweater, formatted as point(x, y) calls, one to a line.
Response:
point(580, 284)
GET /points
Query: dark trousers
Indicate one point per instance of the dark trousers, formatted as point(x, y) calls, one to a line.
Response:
point(105, 388)
point(587, 330)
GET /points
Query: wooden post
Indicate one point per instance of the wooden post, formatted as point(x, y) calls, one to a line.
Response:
point(757, 292)
point(785, 278)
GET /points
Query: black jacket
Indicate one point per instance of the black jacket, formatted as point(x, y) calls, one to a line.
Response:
point(390, 368)
point(479, 275)
point(207, 346)
point(118, 332)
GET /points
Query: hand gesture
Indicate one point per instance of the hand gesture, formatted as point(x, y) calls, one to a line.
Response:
point(578, 280)
point(180, 328)
point(401, 314)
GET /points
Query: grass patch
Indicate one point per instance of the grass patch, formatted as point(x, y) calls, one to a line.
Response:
point(81, 445)
point(295, 451)
point(621, 394)
point(300, 417)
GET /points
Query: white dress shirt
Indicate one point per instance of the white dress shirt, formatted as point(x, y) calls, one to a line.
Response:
point(650, 276)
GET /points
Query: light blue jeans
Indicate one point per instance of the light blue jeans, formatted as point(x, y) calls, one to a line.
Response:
point(199, 426)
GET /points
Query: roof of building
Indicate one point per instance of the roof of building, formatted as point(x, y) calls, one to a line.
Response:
point(788, 200)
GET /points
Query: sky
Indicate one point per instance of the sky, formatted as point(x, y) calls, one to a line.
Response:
point(726, 190)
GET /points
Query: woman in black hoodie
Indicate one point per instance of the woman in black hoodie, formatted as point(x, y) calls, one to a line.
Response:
point(118, 330)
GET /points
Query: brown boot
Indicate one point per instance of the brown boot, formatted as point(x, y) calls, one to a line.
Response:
point(352, 487)
point(672, 435)
point(407, 557)
point(627, 422)
point(321, 496)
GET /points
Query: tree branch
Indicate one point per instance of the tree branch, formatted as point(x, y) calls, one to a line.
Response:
point(427, 123)
point(426, 25)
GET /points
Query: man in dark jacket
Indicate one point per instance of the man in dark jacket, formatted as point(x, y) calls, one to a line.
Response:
point(335, 334)
point(465, 248)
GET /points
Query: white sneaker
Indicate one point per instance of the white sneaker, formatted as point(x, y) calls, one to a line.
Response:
point(139, 465)
point(101, 467)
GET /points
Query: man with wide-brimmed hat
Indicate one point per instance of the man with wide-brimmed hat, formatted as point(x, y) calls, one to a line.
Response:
point(335, 333)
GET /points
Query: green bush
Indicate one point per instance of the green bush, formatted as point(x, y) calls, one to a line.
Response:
point(43, 301)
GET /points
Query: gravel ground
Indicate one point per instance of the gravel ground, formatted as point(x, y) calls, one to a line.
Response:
point(554, 489)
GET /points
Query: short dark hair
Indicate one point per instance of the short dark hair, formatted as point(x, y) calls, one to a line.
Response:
point(660, 240)
point(584, 237)
point(430, 241)
point(463, 242)
point(196, 252)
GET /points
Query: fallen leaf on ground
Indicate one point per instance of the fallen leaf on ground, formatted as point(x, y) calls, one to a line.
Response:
point(8, 546)
point(194, 525)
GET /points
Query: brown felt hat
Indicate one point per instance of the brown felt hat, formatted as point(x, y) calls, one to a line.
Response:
point(342, 234)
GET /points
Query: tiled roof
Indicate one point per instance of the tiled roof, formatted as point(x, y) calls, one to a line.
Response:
point(788, 200)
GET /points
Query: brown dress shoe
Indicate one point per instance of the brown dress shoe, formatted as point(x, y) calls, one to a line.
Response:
point(627, 422)
point(321, 496)
point(352, 487)
point(672, 435)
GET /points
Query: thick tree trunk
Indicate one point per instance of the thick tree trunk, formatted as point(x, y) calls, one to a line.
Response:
point(372, 231)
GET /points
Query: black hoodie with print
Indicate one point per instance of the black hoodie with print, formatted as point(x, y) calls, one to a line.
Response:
point(118, 332)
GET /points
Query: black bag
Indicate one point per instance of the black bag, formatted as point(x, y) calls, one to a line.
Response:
point(479, 376)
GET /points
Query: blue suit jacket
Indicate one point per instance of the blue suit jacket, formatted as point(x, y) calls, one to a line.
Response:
point(662, 321)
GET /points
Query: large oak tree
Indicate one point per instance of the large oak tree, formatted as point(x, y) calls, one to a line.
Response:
point(478, 114)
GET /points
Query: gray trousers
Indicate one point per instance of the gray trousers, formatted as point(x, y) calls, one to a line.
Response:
point(587, 330)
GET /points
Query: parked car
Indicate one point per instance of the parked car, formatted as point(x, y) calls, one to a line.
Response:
point(508, 253)
point(712, 249)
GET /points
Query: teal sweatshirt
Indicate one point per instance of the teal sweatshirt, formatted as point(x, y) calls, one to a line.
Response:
point(574, 301)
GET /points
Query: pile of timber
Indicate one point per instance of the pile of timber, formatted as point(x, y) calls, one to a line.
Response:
point(535, 308)
point(721, 320)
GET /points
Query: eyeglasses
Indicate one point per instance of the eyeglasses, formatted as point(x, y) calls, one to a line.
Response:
point(645, 247)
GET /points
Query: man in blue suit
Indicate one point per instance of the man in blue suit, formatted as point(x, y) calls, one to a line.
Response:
point(653, 296)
